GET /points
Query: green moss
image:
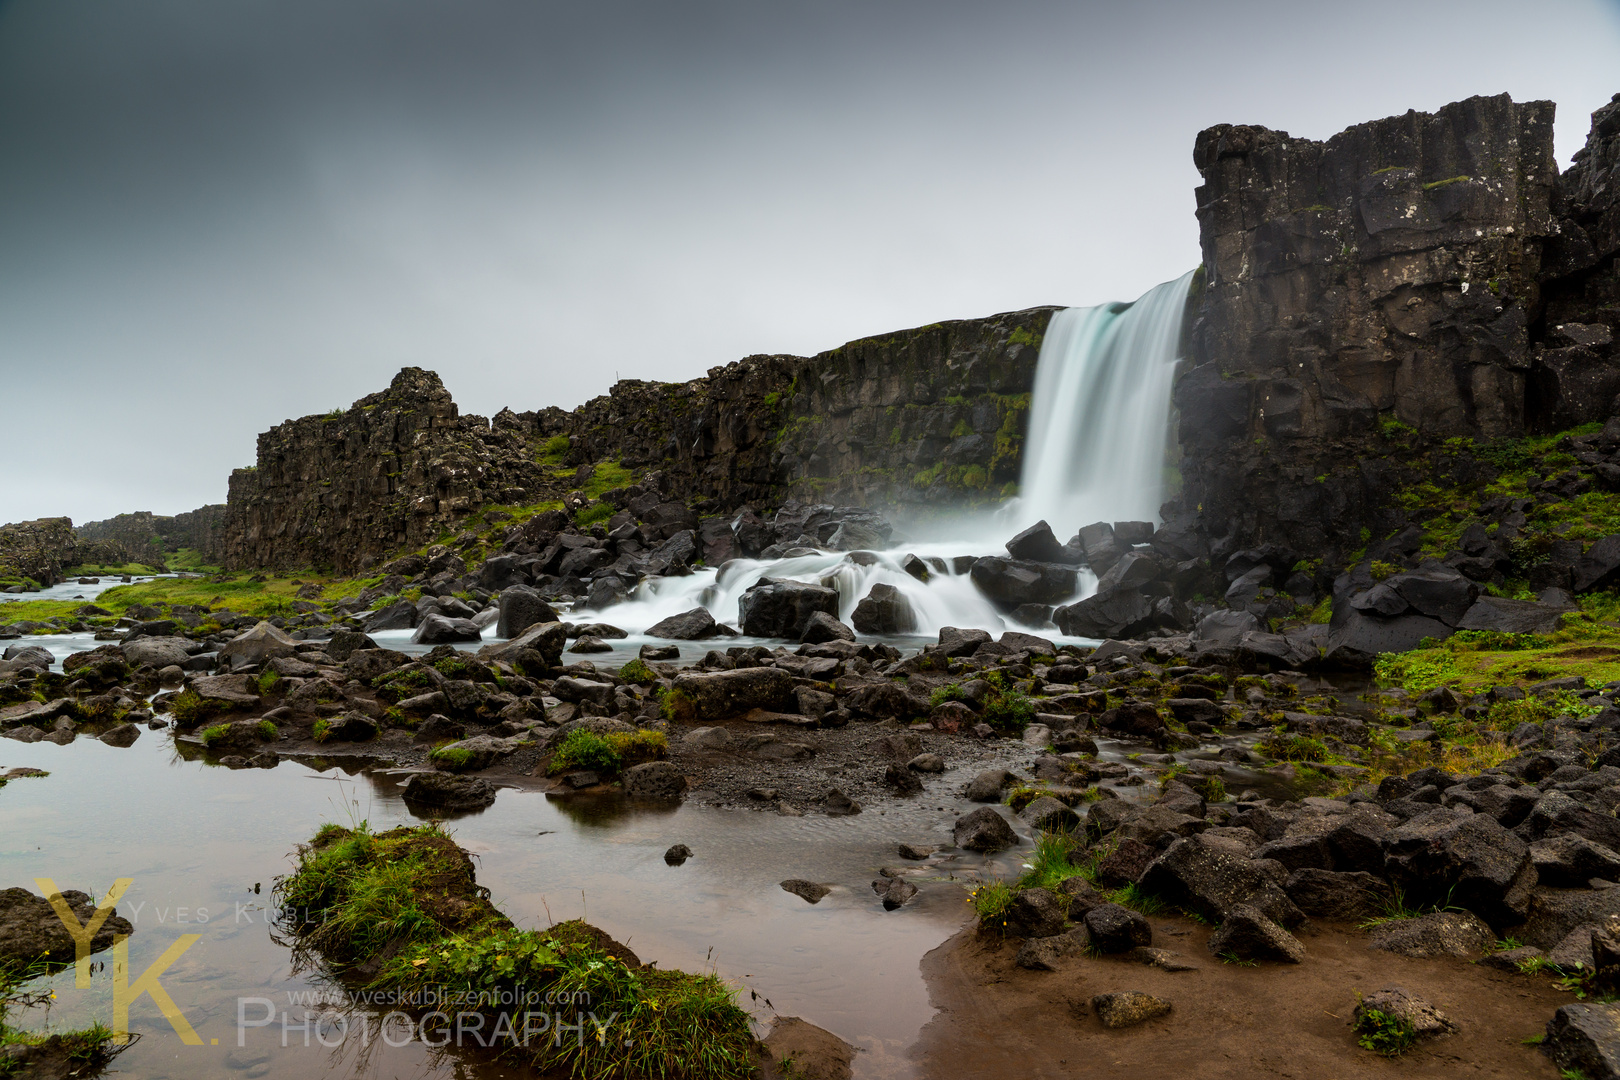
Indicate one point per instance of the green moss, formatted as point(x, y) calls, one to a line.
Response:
point(212, 735)
point(268, 730)
point(1025, 336)
point(452, 758)
point(592, 514)
point(554, 450)
point(1442, 183)
point(583, 749)
point(637, 671)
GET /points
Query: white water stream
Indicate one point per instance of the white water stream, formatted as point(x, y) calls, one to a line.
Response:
point(1099, 424)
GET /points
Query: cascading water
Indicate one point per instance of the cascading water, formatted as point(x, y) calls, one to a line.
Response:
point(1100, 412)
point(1095, 452)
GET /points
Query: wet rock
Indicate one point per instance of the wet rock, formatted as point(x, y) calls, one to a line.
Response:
point(1555, 912)
point(1247, 934)
point(1225, 628)
point(400, 615)
point(1443, 933)
point(446, 791)
point(1038, 544)
point(159, 652)
point(1348, 897)
point(1115, 929)
point(590, 643)
point(894, 891)
point(814, 1053)
point(570, 688)
point(1012, 582)
point(806, 890)
point(1426, 1021)
point(546, 640)
point(521, 607)
point(677, 854)
point(1513, 616)
point(1153, 825)
point(775, 608)
point(836, 804)
point(654, 780)
point(708, 738)
point(822, 627)
point(1163, 959)
point(1573, 860)
point(659, 652)
point(349, 727)
point(1213, 881)
point(1079, 895)
point(1034, 913)
point(31, 930)
point(917, 852)
point(693, 625)
point(1586, 1036)
point(901, 780)
point(958, 642)
point(470, 755)
point(718, 695)
point(1048, 953)
point(1046, 814)
point(1470, 861)
point(928, 763)
point(443, 630)
point(122, 735)
point(983, 830)
point(1119, 613)
point(256, 647)
point(438, 728)
point(1126, 1008)
point(884, 610)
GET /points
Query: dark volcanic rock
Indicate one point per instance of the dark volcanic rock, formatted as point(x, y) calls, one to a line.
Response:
point(31, 930)
point(1126, 1008)
point(782, 609)
point(1247, 934)
point(1115, 929)
point(446, 791)
point(884, 610)
point(983, 830)
point(1585, 1036)
point(1443, 933)
point(440, 630)
point(1012, 582)
point(1212, 880)
point(718, 695)
point(691, 625)
point(520, 608)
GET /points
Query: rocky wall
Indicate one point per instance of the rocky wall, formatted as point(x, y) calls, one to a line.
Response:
point(1391, 284)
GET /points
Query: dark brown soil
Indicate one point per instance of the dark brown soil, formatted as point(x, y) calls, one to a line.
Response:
point(998, 1020)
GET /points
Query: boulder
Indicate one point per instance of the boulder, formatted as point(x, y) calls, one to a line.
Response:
point(122, 735)
point(1585, 1037)
point(1115, 929)
point(654, 780)
point(1126, 1008)
point(31, 930)
point(1513, 616)
point(470, 755)
point(1470, 861)
point(1038, 544)
point(781, 609)
point(718, 695)
point(954, 641)
point(1048, 953)
point(1355, 896)
point(1599, 568)
point(1357, 640)
point(1120, 613)
point(520, 608)
point(572, 688)
point(1437, 591)
point(545, 639)
point(986, 787)
point(1573, 860)
point(803, 1051)
point(1442, 933)
point(823, 627)
point(346, 727)
point(1012, 582)
point(1046, 814)
point(884, 610)
point(694, 625)
point(1555, 912)
point(159, 652)
point(1224, 629)
point(443, 630)
point(983, 830)
point(257, 647)
point(345, 643)
point(224, 692)
point(446, 791)
point(1247, 934)
point(400, 615)
point(1212, 880)
point(1034, 913)
point(1426, 1021)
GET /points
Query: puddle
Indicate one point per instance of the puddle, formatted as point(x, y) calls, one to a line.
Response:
point(197, 840)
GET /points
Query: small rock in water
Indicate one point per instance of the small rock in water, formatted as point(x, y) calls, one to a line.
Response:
point(583, 779)
point(984, 830)
point(660, 652)
point(1127, 1007)
point(917, 851)
point(590, 643)
point(930, 763)
point(901, 781)
point(677, 854)
point(807, 890)
point(837, 804)
point(895, 891)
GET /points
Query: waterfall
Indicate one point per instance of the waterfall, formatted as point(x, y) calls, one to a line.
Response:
point(1099, 423)
point(1100, 412)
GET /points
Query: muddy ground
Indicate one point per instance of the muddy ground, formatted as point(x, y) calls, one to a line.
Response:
point(998, 1020)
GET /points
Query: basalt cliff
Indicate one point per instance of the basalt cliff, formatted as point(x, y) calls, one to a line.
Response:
point(1372, 311)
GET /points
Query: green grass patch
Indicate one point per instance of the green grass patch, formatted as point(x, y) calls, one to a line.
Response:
point(453, 758)
point(410, 894)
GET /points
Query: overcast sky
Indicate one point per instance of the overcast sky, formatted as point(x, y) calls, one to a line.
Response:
point(218, 214)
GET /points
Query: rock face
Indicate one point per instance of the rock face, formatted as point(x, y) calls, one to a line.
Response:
point(1397, 274)
point(38, 550)
point(152, 538)
point(390, 472)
